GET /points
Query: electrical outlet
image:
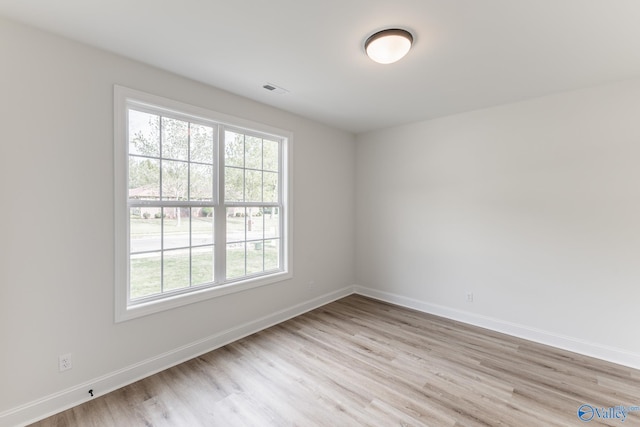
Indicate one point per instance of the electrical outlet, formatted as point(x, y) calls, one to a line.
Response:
point(469, 296)
point(64, 362)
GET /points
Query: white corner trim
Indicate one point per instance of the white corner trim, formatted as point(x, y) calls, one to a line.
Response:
point(65, 399)
point(599, 351)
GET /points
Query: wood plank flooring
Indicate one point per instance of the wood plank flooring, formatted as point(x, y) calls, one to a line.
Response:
point(361, 362)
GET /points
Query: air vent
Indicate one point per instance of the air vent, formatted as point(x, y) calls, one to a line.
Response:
point(275, 89)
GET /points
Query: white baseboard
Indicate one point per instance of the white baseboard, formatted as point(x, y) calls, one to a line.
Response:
point(65, 399)
point(575, 345)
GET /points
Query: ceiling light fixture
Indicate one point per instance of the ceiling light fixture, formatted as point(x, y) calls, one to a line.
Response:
point(388, 46)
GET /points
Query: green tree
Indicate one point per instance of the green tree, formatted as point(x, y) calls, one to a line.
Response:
point(176, 153)
point(252, 165)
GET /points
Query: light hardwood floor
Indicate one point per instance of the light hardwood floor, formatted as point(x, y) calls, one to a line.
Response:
point(361, 362)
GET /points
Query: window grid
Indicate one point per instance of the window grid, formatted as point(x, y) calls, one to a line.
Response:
point(251, 251)
point(258, 255)
point(167, 202)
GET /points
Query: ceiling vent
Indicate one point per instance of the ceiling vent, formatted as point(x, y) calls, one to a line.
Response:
point(275, 89)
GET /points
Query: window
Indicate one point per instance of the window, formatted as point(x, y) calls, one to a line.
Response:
point(251, 194)
point(201, 204)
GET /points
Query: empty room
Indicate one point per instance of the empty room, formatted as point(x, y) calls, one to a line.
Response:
point(305, 213)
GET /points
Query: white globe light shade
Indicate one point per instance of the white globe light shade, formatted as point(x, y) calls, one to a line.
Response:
point(388, 46)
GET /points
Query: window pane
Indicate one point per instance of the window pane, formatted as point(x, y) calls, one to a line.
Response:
point(271, 223)
point(175, 139)
point(270, 187)
point(145, 229)
point(233, 149)
point(201, 143)
point(270, 155)
point(253, 152)
point(234, 185)
point(255, 224)
point(235, 260)
point(271, 254)
point(201, 182)
point(175, 180)
point(144, 138)
point(202, 226)
point(202, 262)
point(176, 228)
point(145, 275)
point(253, 189)
point(235, 224)
point(144, 178)
point(175, 269)
point(255, 257)
point(179, 169)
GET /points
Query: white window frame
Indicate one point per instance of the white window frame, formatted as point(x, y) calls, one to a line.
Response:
point(126, 309)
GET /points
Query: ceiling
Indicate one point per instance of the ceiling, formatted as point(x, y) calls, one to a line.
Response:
point(468, 54)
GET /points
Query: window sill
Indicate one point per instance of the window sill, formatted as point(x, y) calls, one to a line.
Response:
point(133, 311)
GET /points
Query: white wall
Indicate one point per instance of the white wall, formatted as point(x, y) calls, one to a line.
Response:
point(57, 264)
point(534, 207)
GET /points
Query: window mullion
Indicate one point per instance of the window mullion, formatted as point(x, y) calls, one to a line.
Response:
point(220, 215)
point(162, 213)
point(189, 200)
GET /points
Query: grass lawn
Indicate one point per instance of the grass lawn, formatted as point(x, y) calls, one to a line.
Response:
point(147, 273)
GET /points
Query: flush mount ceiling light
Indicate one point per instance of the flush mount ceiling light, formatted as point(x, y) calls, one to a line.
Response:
point(388, 46)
